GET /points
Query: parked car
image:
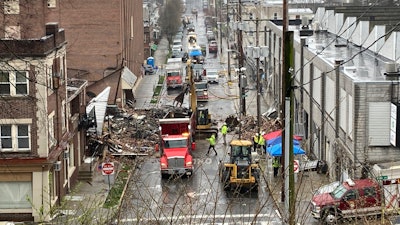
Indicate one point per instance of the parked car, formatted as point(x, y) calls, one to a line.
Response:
point(148, 69)
point(212, 47)
point(176, 54)
point(177, 48)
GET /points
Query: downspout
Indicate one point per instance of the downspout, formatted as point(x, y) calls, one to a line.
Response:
point(322, 142)
point(116, 91)
point(337, 118)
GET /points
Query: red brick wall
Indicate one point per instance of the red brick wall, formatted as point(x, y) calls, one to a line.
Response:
point(98, 35)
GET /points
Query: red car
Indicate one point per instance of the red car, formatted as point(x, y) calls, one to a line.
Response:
point(212, 47)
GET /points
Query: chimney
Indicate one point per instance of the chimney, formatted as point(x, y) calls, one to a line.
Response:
point(52, 29)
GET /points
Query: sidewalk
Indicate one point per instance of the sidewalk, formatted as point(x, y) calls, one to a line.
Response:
point(144, 91)
point(306, 182)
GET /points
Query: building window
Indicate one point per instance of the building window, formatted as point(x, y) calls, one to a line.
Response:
point(15, 137)
point(21, 83)
point(11, 6)
point(51, 3)
point(71, 160)
point(15, 195)
point(52, 140)
point(50, 78)
point(63, 117)
point(132, 22)
point(5, 88)
point(13, 83)
point(12, 32)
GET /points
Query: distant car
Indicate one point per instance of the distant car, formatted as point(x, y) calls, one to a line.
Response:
point(190, 28)
point(177, 48)
point(185, 57)
point(148, 69)
point(212, 47)
point(176, 54)
point(212, 75)
point(210, 35)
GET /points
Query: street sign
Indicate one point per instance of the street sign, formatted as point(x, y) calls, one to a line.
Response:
point(108, 168)
point(382, 177)
point(153, 47)
point(296, 167)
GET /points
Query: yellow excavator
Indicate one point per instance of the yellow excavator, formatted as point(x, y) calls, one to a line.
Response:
point(204, 123)
point(240, 171)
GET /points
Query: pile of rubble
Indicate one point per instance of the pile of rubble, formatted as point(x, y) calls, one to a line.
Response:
point(131, 132)
point(136, 132)
point(248, 127)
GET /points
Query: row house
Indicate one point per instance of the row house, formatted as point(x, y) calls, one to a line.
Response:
point(41, 146)
point(347, 95)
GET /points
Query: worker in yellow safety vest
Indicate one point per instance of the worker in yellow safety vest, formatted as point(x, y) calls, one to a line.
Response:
point(258, 141)
point(224, 131)
point(276, 164)
point(212, 141)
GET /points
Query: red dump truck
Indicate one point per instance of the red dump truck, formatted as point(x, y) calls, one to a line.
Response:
point(379, 194)
point(176, 145)
point(174, 73)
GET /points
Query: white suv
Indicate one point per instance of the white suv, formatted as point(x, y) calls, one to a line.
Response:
point(212, 75)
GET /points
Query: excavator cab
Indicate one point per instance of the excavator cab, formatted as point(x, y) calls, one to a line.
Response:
point(204, 123)
point(240, 170)
point(203, 118)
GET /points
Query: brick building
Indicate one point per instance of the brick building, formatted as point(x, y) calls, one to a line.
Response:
point(104, 37)
point(40, 109)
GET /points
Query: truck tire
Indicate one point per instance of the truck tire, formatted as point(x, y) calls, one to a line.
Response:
point(330, 216)
point(256, 174)
point(225, 179)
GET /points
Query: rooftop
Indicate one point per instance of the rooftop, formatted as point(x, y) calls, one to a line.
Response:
point(366, 49)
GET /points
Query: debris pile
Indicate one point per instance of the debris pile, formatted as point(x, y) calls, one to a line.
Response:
point(132, 132)
point(248, 125)
point(129, 132)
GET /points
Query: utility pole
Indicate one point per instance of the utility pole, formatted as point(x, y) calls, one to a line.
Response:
point(283, 94)
point(241, 60)
point(258, 83)
point(220, 25)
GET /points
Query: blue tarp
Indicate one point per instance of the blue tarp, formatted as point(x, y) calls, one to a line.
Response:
point(278, 140)
point(195, 52)
point(276, 150)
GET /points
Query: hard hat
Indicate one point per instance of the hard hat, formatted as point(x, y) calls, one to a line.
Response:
point(224, 123)
point(262, 133)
